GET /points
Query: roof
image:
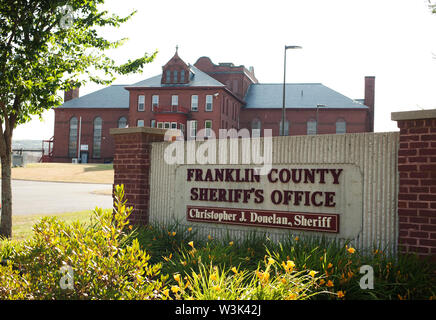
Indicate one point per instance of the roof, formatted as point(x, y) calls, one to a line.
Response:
point(114, 96)
point(197, 79)
point(298, 95)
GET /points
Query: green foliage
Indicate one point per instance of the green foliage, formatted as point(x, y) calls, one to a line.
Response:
point(337, 265)
point(106, 262)
point(276, 282)
point(47, 46)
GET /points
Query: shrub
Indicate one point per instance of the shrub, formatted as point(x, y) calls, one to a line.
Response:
point(278, 281)
point(101, 258)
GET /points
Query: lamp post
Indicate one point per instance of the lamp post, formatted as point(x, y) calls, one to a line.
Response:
point(317, 107)
point(284, 84)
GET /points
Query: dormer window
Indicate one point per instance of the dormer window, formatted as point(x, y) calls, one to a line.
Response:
point(175, 71)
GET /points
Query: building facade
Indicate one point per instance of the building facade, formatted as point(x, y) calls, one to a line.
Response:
point(203, 96)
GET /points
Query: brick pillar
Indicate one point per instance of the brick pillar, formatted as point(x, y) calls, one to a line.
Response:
point(132, 165)
point(417, 183)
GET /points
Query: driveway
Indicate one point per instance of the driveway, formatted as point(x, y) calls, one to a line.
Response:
point(35, 197)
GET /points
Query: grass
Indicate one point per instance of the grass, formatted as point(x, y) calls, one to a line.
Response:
point(22, 224)
point(65, 172)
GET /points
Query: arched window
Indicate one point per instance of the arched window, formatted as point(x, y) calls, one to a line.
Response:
point(98, 125)
point(311, 126)
point(122, 122)
point(182, 76)
point(256, 127)
point(175, 76)
point(72, 141)
point(168, 76)
point(341, 126)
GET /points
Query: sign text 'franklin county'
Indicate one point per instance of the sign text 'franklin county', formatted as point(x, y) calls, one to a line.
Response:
point(302, 192)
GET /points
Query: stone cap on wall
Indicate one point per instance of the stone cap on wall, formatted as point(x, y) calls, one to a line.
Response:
point(154, 131)
point(414, 115)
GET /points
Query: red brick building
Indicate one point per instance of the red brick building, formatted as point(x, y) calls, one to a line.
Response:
point(203, 96)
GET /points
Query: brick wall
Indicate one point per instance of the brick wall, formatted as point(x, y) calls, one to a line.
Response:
point(132, 167)
point(270, 119)
point(417, 181)
point(63, 116)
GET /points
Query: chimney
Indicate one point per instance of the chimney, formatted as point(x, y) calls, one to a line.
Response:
point(71, 94)
point(369, 99)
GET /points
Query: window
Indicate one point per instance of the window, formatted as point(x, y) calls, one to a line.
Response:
point(256, 128)
point(341, 126)
point(235, 85)
point(122, 122)
point(154, 102)
point(192, 127)
point(160, 125)
point(141, 103)
point(311, 127)
point(72, 143)
point(140, 123)
point(173, 125)
point(286, 128)
point(175, 76)
point(98, 124)
point(208, 128)
point(182, 76)
point(175, 100)
point(152, 123)
point(168, 76)
point(166, 125)
point(194, 103)
point(209, 102)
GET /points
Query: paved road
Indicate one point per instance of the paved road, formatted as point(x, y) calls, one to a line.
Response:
point(34, 197)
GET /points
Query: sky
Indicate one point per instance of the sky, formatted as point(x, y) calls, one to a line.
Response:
point(342, 42)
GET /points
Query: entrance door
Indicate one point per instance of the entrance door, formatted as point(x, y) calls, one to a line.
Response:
point(84, 157)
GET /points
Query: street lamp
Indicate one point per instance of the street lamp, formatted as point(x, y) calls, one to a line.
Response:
point(317, 107)
point(284, 84)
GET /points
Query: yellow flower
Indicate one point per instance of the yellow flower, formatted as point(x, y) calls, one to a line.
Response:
point(177, 277)
point(289, 266)
point(330, 283)
point(283, 280)
point(341, 294)
point(351, 249)
point(191, 243)
point(217, 288)
point(175, 289)
point(209, 237)
point(321, 282)
point(271, 261)
point(312, 273)
point(292, 296)
point(263, 276)
point(213, 277)
point(174, 233)
point(234, 270)
point(166, 292)
point(329, 266)
point(184, 263)
point(231, 243)
point(296, 238)
point(189, 229)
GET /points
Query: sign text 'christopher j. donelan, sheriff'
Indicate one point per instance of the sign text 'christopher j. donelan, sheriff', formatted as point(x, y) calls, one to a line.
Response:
point(320, 222)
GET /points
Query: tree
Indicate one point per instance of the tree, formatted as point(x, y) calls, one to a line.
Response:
point(47, 46)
